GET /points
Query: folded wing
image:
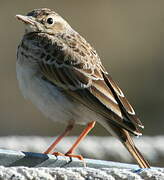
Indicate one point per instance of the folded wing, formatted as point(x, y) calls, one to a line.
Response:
point(82, 76)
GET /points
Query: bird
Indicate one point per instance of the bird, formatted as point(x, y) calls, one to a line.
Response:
point(63, 76)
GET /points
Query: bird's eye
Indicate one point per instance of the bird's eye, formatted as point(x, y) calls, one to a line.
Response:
point(50, 20)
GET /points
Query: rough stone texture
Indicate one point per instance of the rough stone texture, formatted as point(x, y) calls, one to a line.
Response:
point(24, 173)
point(93, 147)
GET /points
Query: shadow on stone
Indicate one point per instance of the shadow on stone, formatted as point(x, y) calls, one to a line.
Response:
point(30, 159)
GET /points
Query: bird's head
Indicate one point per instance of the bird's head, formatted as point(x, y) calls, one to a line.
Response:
point(44, 20)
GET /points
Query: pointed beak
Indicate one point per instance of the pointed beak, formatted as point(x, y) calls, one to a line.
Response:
point(26, 19)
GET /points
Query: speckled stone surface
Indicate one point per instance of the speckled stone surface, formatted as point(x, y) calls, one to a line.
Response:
point(19, 165)
point(24, 173)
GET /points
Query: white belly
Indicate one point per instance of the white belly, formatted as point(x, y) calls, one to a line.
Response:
point(50, 101)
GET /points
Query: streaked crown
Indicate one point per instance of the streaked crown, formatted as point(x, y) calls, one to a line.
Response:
point(44, 20)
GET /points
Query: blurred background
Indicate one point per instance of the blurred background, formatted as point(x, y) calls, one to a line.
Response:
point(128, 36)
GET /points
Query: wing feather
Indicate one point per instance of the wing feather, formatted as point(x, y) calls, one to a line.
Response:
point(83, 78)
point(124, 104)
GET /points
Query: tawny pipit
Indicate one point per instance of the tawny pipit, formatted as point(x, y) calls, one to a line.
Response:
point(64, 77)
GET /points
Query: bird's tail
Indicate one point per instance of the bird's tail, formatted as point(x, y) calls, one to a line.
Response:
point(124, 136)
point(129, 144)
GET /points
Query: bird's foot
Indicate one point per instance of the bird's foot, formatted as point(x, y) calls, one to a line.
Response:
point(58, 154)
point(68, 155)
point(75, 156)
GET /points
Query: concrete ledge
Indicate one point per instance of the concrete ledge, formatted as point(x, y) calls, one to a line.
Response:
point(24, 173)
point(11, 158)
point(16, 165)
point(104, 148)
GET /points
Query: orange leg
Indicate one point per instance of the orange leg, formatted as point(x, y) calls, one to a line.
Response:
point(79, 139)
point(53, 145)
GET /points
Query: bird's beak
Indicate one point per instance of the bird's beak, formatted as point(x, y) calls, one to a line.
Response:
point(26, 19)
